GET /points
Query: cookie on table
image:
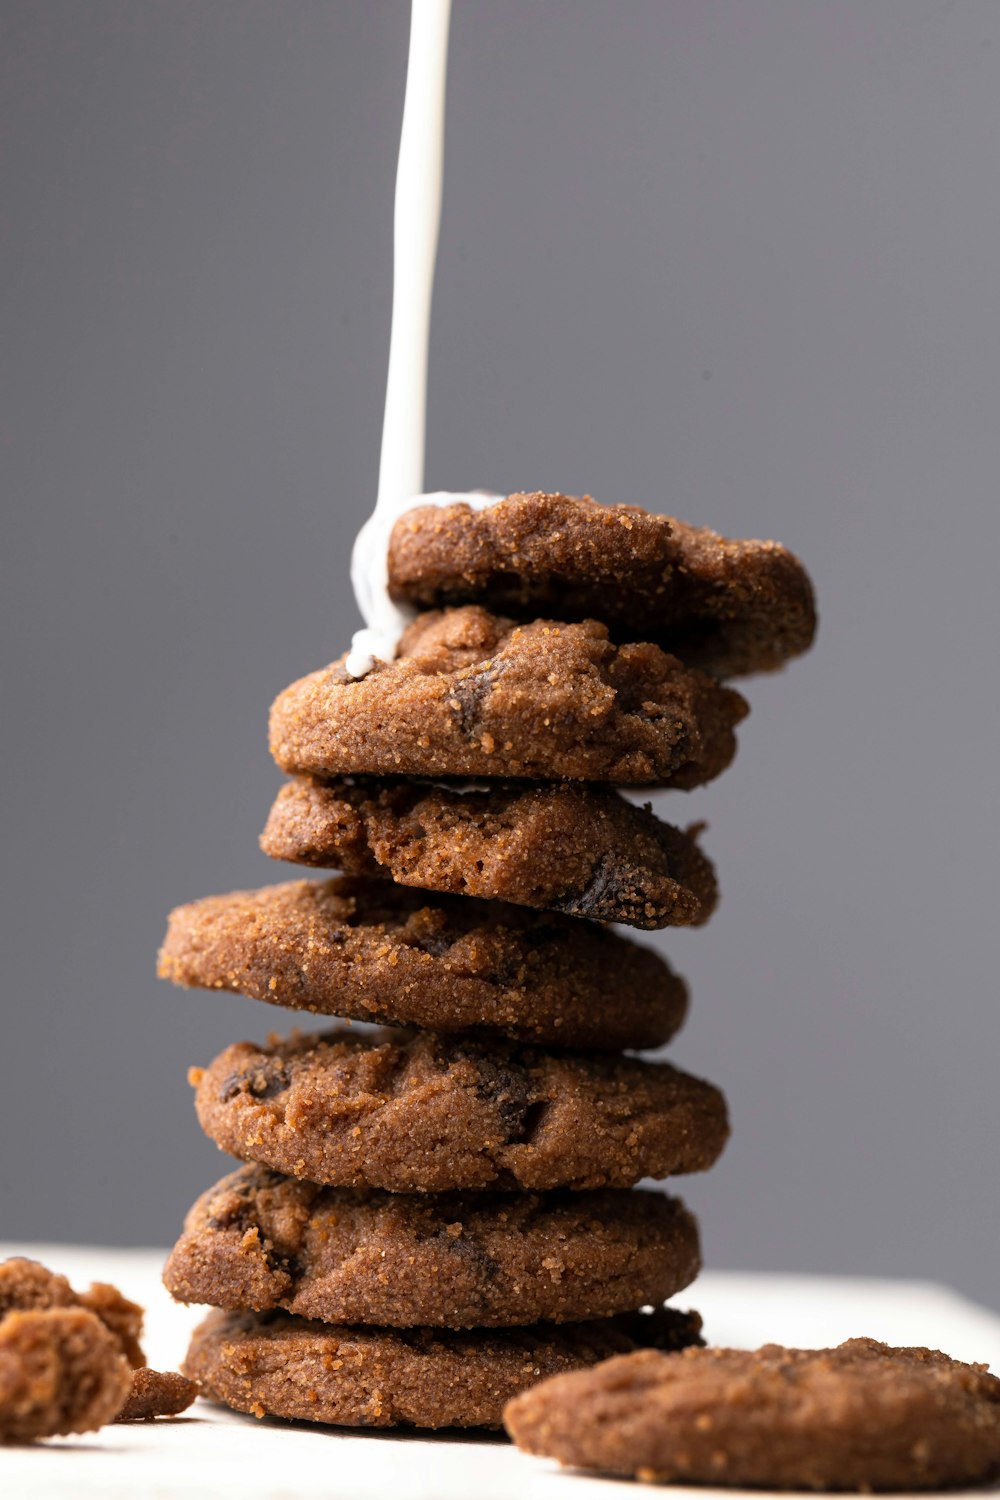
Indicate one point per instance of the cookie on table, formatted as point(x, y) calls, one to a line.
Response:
point(730, 607)
point(415, 1112)
point(157, 1393)
point(473, 694)
point(61, 1371)
point(258, 1240)
point(380, 952)
point(274, 1364)
point(581, 850)
point(863, 1416)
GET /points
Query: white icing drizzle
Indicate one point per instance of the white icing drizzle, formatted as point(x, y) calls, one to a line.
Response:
point(384, 620)
point(415, 233)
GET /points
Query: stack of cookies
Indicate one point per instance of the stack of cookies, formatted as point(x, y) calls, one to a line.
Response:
point(435, 1215)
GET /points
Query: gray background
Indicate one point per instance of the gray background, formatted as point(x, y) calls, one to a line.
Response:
point(733, 260)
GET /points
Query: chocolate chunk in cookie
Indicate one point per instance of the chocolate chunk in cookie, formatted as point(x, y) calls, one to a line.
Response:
point(61, 1371)
point(273, 1364)
point(453, 1260)
point(582, 850)
point(379, 952)
point(420, 1113)
point(728, 606)
point(862, 1416)
point(472, 694)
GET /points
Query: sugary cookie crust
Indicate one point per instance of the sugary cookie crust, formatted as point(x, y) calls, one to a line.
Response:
point(581, 850)
point(259, 1240)
point(421, 1113)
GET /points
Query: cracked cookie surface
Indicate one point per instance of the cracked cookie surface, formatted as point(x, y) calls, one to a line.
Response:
point(420, 1113)
point(379, 952)
point(274, 1364)
point(581, 850)
point(863, 1416)
point(472, 694)
point(731, 607)
point(259, 1240)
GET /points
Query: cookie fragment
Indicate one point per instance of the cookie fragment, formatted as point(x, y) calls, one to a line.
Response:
point(582, 850)
point(472, 694)
point(730, 607)
point(61, 1371)
point(274, 1364)
point(863, 1416)
point(379, 952)
point(27, 1285)
point(413, 1112)
point(259, 1240)
point(157, 1393)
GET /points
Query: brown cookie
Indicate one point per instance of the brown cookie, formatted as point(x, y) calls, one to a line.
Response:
point(472, 694)
point(273, 1364)
point(379, 952)
point(61, 1371)
point(455, 1260)
point(863, 1416)
point(156, 1393)
point(28, 1286)
point(581, 850)
point(414, 1112)
point(730, 607)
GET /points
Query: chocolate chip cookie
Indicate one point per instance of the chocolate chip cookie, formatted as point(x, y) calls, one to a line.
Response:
point(730, 607)
point(472, 694)
point(414, 1112)
point(379, 952)
point(581, 850)
point(259, 1240)
point(862, 1416)
point(274, 1364)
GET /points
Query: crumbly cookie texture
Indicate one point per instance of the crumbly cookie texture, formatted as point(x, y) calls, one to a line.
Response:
point(473, 694)
point(582, 850)
point(259, 1240)
point(274, 1364)
point(421, 1113)
point(61, 1371)
point(28, 1286)
point(157, 1393)
point(379, 952)
point(863, 1416)
point(731, 607)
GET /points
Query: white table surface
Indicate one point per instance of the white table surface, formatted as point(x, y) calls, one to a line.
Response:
point(211, 1454)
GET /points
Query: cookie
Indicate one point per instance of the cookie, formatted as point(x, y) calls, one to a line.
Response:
point(862, 1416)
point(28, 1286)
point(156, 1393)
point(472, 694)
point(379, 952)
point(61, 1371)
point(273, 1364)
point(455, 1260)
point(414, 1112)
point(730, 607)
point(581, 850)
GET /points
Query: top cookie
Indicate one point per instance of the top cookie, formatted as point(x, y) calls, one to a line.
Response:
point(475, 695)
point(862, 1416)
point(731, 607)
